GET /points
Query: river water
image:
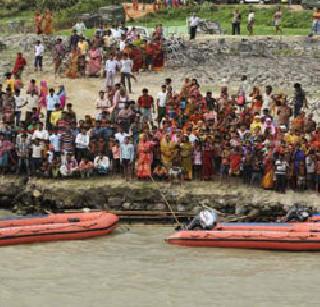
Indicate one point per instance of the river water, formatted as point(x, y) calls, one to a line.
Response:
point(136, 268)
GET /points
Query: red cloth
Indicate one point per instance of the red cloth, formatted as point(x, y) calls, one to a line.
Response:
point(137, 57)
point(19, 64)
point(145, 101)
point(145, 159)
point(149, 50)
point(207, 163)
point(235, 160)
point(158, 58)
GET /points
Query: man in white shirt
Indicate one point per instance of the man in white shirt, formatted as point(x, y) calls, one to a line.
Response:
point(193, 25)
point(126, 71)
point(116, 33)
point(38, 56)
point(111, 67)
point(19, 104)
point(121, 135)
point(206, 219)
point(162, 103)
point(267, 98)
point(250, 22)
point(122, 43)
point(37, 154)
point(40, 133)
point(80, 27)
point(82, 145)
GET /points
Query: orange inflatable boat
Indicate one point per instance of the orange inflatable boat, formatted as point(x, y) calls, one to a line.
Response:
point(305, 226)
point(269, 236)
point(54, 227)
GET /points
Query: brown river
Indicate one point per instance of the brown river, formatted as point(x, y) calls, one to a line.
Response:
point(136, 268)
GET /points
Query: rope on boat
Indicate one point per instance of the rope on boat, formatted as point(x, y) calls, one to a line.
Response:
point(167, 203)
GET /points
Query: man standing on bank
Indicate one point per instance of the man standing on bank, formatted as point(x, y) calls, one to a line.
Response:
point(250, 22)
point(236, 20)
point(38, 56)
point(193, 25)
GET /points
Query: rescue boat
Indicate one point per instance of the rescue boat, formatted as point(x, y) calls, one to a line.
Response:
point(267, 236)
point(55, 227)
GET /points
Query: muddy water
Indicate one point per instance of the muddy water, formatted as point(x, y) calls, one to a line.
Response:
point(136, 268)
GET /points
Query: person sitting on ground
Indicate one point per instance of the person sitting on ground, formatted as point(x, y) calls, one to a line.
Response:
point(69, 167)
point(101, 164)
point(85, 167)
point(160, 173)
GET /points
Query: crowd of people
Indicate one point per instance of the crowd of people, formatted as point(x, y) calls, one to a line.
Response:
point(111, 49)
point(173, 135)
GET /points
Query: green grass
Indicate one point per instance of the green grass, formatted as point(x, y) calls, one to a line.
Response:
point(293, 22)
point(21, 15)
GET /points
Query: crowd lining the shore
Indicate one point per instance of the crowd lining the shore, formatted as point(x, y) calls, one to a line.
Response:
point(253, 135)
point(176, 134)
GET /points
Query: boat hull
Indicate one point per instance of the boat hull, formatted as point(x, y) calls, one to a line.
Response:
point(266, 240)
point(57, 227)
point(282, 227)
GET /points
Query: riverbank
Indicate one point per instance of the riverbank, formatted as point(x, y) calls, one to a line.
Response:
point(143, 200)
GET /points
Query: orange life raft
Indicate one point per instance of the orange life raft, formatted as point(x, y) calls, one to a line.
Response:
point(54, 227)
point(269, 236)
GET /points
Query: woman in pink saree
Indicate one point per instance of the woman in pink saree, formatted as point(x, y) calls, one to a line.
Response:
point(95, 61)
point(145, 158)
point(43, 94)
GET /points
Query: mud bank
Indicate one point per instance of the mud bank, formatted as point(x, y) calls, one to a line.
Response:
point(239, 202)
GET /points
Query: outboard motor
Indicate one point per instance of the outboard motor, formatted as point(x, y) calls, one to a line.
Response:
point(297, 213)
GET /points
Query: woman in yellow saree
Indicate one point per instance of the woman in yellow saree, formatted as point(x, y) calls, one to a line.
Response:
point(167, 148)
point(186, 158)
point(73, 72)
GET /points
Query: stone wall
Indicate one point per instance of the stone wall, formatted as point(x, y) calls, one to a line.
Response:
point(13, 43)
point(277, 61)
point(216, 59)
point(237, 201)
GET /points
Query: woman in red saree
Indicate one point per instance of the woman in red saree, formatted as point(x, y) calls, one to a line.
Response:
point(38, 22)
point(207, 170)
point(19, 65)
point(95, 60)
point(158, 58)
point(144, 158)
point(235, 160)
point(43, 94)
point(137, 58)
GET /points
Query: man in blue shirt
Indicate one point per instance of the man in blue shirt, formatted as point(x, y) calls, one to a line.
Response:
point(126, 157)
point(54, 139)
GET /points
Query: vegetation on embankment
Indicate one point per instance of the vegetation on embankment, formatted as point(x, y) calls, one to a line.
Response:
point(294, 22)
point(65, 11)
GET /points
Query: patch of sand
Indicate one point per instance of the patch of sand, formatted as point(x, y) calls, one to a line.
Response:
point(82, 93)
point(143, 10)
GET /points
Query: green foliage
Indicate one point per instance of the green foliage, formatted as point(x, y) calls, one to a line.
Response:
point(55, 5)
point(16, 5)
point(68, 16)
